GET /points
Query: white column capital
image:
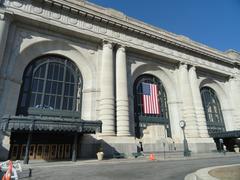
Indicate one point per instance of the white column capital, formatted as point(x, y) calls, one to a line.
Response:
point(107, 44)
point(121, 48)
point(183, 65)
point(192, 68)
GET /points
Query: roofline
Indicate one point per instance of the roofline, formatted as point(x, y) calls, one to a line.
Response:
point(104, 15)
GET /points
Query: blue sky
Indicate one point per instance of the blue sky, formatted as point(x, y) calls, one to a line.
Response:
point(215, 23)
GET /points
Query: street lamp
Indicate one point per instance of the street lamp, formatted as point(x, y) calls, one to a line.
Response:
point(186, 152)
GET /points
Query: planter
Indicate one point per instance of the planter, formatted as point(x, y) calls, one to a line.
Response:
point(236, 149)
point(100, 156)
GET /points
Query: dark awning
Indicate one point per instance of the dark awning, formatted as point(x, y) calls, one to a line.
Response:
point(38, 123)
point(227, 134)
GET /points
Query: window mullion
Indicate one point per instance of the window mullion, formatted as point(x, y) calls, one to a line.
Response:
point(75, 94)
point(45, 82)
point(63, 84)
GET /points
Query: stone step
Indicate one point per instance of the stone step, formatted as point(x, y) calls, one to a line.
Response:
point(180, 155)
point(166, 154)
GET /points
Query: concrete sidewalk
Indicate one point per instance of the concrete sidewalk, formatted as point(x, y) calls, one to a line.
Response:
point(45, 164)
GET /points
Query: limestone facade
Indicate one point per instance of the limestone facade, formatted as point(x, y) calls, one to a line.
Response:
point(111, 51)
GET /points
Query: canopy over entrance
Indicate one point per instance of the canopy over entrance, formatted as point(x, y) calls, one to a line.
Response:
point(41, 123)
point(226, 134)
point(33, 123)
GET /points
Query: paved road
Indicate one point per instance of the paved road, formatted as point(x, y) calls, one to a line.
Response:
point(130, 170)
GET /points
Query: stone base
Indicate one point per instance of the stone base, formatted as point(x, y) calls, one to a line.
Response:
point(201, 145)
point(89, 146)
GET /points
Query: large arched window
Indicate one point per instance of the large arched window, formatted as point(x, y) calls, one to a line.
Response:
point(212, 109)
point(150, 104)
point(50, 83)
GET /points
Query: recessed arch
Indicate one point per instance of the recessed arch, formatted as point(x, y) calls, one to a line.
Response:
point(52, 83)
point(56, 47)
point(160, 73)
point(150, 104)
point(213, 111)
point(220, 91)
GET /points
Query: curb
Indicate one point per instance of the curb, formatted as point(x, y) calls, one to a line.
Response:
point(203, 174)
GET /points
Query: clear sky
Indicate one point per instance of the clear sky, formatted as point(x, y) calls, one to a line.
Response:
point(215, 23)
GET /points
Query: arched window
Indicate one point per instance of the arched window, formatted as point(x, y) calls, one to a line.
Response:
point(50, 83)
point(150, 104)
point(212, 109)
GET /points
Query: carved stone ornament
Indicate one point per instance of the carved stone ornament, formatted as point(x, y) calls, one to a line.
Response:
point(71, 18)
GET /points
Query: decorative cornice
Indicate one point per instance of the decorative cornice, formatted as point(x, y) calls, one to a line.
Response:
point(112, 17)
point(103, 30)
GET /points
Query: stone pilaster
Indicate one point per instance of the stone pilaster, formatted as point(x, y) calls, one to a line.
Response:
point(197, 101)
point(107, 101)
point(188, 108)
point(4, 27)
point(174, 114)
point(122, 93)
point(234, 85)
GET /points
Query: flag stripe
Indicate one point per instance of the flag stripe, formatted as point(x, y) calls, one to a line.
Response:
point(150, 99)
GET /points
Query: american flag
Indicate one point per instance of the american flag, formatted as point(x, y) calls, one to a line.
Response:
point(150, 99)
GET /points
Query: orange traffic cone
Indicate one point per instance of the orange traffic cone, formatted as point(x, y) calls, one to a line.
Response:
point(152, 157)
point(7, 175)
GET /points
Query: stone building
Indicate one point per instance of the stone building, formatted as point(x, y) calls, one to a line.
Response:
point(72, 79)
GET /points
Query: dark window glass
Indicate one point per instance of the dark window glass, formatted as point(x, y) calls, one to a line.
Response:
point(61, 73)
point(59, 88)
point(34, 85)
point(40, 85)
point(52, 102)
point(43, 69)
point(54, 87)
point(38, 100)
point(56, 71)
point(68, 76)
point(212, 109)
point(66, 90)
point(46, 100)
point(58, 102)
point(70, 103)
point(37, 73)
point(65, 103)
point(50, 83)
point(50, 71)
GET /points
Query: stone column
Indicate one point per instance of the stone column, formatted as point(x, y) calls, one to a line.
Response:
point(188, 108)
point(197, 101)
point(5, 20)
point(122, 93)
point(107, 101)
point(4, 26)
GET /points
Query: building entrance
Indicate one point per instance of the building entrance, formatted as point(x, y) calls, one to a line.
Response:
point(46, 146)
